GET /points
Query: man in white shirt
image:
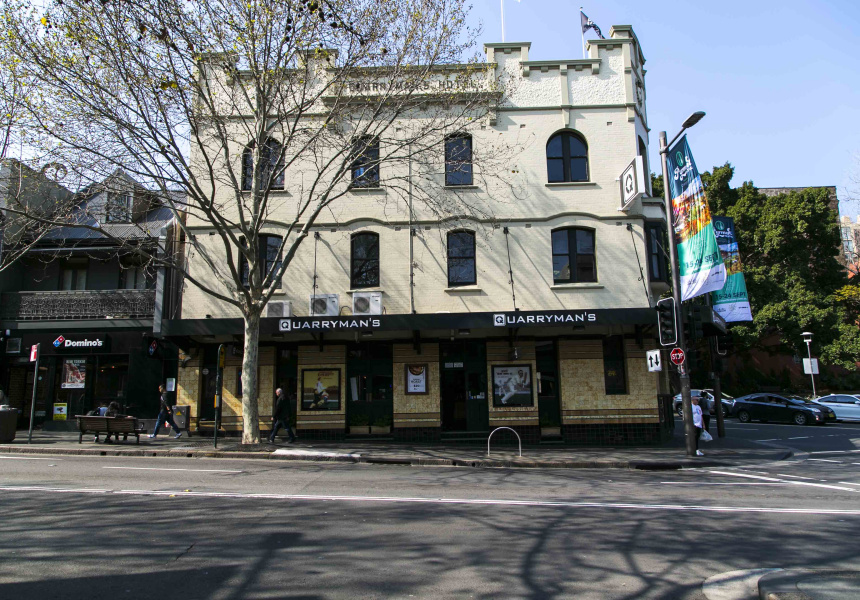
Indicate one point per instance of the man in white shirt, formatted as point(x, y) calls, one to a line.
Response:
point(697, 421)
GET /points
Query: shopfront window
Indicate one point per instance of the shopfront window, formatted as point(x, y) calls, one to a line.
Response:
point(614, 368)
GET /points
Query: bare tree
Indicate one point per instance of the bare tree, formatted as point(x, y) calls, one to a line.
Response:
point(264, 113)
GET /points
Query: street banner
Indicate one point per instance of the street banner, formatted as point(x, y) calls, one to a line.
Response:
point(699, 261)
point(731, 302)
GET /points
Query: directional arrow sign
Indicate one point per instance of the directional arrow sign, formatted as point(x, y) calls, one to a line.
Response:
point(654, 362)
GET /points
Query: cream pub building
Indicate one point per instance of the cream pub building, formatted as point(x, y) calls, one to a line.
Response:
point(538, 320)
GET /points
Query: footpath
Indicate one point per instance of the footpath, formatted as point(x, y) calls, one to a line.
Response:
point(725, 452)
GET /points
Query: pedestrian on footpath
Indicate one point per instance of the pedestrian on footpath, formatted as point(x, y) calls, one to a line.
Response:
point(706, 405)
point(165, 415)
point(281, 418)
point(697, 421)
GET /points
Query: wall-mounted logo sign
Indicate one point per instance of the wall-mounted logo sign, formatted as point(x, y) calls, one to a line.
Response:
point(632, 183)
point(569, 318)
point(63, 342)
point(322, 323)
point(59, 341)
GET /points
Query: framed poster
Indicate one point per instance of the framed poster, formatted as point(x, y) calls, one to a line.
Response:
point(74, 374)
point(416, 379)
point(320, 389)
point(512, 385)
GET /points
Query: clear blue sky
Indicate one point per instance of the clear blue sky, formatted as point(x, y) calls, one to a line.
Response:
point(779, 80)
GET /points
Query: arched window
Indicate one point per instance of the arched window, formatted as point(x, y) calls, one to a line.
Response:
point(573, 256)
point(643, 152)
point(566, 158)
point(273, 163)
point(364, 265)
point(458, 159)
point(365, 162)
point(461, 258)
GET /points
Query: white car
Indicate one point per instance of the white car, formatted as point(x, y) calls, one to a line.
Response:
point(846, 407)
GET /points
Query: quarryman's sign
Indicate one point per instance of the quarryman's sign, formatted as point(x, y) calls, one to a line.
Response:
point(547, 318)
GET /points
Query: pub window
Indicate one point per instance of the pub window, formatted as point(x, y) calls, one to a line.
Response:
point(365, 260)
point(461, 258)
point(272, 160)
point(458, 159)
point(573, 256)
point(133, 275)
point(118, 208)
point(365, 162)
point(655, 238)
point(566, 158)
point(269, 257)
point(614, 368)
point(73, 275)
point(643, 152)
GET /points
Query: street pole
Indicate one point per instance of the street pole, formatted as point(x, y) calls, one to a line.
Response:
point(33, 403)
point(689, 429)
point(809, 353)
point(718, 391)
point(219, 385)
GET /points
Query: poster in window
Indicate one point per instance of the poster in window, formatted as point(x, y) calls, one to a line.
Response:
point(512, 385)
point(321, 389)
point(74, 373)
point(416, 379)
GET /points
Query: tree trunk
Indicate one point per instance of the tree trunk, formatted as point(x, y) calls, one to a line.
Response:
point(250, 385)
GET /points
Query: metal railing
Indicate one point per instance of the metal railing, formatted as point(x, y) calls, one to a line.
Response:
point(509, 429)
point(78, 304)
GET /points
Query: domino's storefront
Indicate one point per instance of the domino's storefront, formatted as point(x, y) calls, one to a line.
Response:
point(81, 370)
point(579, 376)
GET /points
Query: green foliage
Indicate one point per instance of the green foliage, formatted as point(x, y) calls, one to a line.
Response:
point(789, 244)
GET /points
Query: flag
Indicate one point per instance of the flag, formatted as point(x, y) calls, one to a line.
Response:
point(699, 260)
point(731, 302)
point(589, 24)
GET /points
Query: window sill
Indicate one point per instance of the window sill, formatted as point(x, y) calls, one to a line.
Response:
point(461, 187)
point(367, 289)
point(563, 184)
point(462, 289)
point(367, 190)
point(576, 286)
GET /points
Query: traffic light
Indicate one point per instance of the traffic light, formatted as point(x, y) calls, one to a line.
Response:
point(695, 319)
point(725, 344)
point(667, 322)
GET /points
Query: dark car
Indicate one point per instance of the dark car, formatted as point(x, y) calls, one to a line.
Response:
point(726, 401)
point(774, 407)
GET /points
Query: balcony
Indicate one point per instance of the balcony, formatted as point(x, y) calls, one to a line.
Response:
point(83, 304)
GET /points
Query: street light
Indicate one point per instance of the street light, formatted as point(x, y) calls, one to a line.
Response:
point(689, 429)
point(807, 337)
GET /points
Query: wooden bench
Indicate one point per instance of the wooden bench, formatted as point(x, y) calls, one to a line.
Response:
point(125, 425)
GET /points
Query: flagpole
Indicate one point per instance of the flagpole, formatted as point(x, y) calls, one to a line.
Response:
point(503, 20)
point(583, 32)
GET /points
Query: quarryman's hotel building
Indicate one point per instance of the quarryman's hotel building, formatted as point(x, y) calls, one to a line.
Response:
point(559, 354)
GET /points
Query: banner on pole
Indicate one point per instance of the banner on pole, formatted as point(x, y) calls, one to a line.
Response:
point(699, 261)
point(732, 302)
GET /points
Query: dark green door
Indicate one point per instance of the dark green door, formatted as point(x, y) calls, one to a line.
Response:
point(548, 400)
point(369, 385)
point(464, 386)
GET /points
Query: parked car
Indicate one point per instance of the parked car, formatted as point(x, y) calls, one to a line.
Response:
point(775, 407)
point(846, 406)
point(726, 401)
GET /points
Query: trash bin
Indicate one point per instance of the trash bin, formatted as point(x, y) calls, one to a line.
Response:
point(8, 423)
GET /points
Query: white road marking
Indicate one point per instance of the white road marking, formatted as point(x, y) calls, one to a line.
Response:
point(796, 477)
point(826, 460)
point(461, 501)
point(849, 483)
point(803, 437)
point(172, 469)
point(833, 451)
point(770, 440)
point(28, 458)
point(721, 483)
point(821, 485)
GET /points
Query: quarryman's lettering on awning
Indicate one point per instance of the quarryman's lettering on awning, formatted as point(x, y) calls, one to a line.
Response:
point(327, 323)
point(520, 319)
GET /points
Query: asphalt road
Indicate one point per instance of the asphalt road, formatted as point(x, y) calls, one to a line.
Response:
point(90, 527)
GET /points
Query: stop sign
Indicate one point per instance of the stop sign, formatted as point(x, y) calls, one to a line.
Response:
point(677, 356)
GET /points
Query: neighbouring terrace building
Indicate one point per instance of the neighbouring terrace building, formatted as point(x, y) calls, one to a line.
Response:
point(537, 318)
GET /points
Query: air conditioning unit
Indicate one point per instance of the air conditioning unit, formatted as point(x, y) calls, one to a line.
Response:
point(325, 305)
point(279, 309)
point(367, 303)
point(13, 346)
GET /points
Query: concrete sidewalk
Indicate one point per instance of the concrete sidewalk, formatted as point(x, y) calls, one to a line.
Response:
point(720, 453)
point(809, 584)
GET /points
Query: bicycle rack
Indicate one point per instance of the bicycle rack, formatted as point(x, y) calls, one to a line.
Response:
point(509, 429)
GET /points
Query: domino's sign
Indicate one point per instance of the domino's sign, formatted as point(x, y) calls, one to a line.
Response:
point(64, 342)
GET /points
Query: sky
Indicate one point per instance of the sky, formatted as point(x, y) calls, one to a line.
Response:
point(779, 80)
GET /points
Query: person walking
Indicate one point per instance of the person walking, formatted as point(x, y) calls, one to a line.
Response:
point(281, 418)
point(165, 415)
point(707, 405)
point(698, 422)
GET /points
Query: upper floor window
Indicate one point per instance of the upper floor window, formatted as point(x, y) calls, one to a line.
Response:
point(135, 276)
point(573, 256)
point(269, 258)
point(458, 159)
point(73, 274)
point(642, 151)
point(272, 164)
point(655, 240)
point(461, 258)
point(566, 158)
point(365, 260)
point(118, 208)
point(365, 162)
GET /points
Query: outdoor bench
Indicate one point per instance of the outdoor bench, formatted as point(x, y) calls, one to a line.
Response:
point(125, 425)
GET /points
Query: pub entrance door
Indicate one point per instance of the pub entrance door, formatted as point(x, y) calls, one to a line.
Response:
point(463, 386)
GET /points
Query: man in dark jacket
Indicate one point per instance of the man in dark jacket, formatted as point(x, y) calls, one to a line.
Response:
point(165, 415)
point(281, 418)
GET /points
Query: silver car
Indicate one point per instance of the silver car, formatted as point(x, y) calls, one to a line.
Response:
point(727, 401)
point(846, 407)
